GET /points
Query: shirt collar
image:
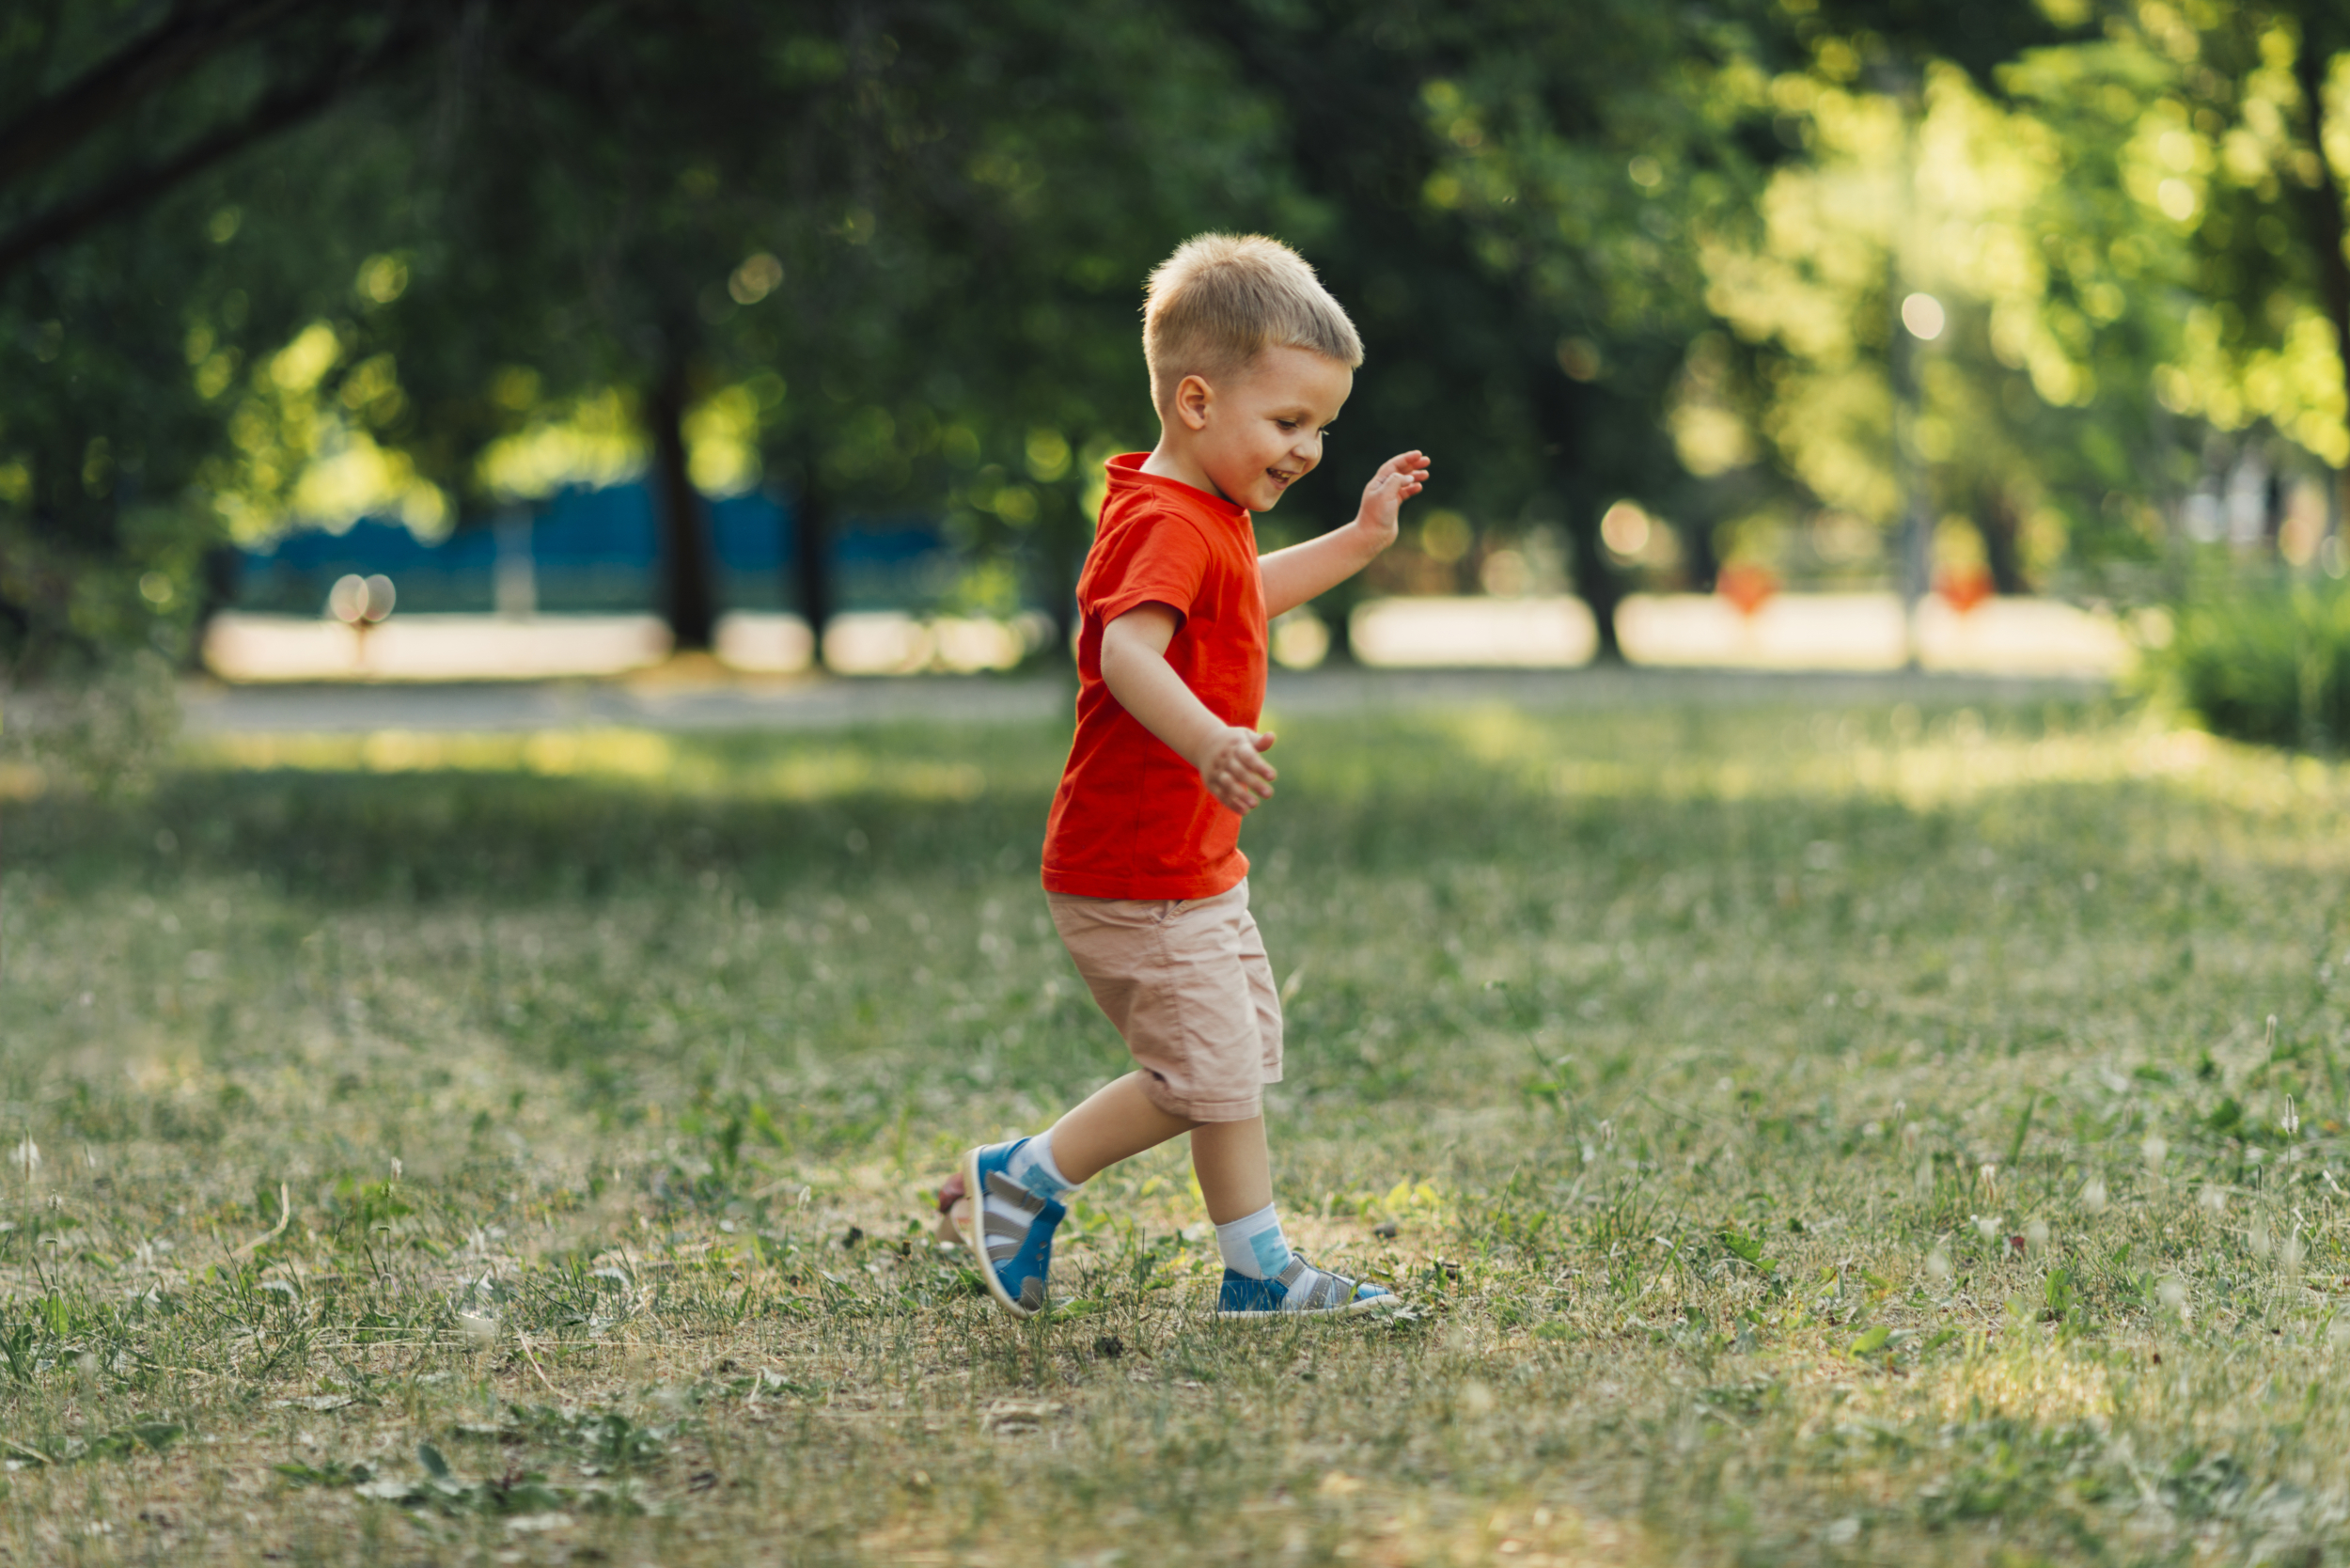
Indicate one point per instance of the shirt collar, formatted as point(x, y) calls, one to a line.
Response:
point(1125, 472)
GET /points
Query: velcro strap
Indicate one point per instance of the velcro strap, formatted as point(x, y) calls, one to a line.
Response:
point(1006, 1234)
point(1011, 1192)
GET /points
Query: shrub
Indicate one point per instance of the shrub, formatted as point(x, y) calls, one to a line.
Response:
point(2265, 661)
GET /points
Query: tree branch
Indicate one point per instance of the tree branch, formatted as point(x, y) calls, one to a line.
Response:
point(53, 127)
point(281, 110)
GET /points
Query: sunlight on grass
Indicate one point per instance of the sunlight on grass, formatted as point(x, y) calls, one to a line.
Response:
point(2039, 1381)
point(617, 754)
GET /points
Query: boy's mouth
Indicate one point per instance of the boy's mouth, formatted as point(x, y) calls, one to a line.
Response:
point(1280, 481)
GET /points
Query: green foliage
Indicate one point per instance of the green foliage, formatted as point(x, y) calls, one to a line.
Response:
point(335, 1472)
point(139, 344)
point(518, 1493)
point(2265, 660)
point(1613, 250)
point(606, 1442)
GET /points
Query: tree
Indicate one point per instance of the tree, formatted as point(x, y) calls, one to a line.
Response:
point(874, 297)
point(142, 296)
point(1511, 189)
point(2136, 238)
point(273, 259)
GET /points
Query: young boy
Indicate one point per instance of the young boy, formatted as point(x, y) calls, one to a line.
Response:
point(1250, 360)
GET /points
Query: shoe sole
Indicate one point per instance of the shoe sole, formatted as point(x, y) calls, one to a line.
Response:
point(975, 1236)
point(1352, 1309)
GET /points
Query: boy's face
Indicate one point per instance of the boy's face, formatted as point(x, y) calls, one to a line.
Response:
point(1260, 432)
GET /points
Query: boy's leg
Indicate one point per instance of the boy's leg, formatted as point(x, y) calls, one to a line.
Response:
point(1235, 1171)
point(1017, 1189)
point(1264, 1280)
point(1188, 986)
point(1117, 1121)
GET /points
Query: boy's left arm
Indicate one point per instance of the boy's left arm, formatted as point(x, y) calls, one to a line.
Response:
point(1293, 576)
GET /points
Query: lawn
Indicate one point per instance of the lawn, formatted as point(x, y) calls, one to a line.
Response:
point(1871, 1133)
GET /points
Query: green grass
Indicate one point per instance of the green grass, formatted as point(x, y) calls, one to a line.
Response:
point(1800, 1136)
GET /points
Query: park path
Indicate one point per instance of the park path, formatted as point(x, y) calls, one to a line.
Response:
point(664, 701)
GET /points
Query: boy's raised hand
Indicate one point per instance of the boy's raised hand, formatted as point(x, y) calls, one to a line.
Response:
point(1398, 480)
point(1235, 770)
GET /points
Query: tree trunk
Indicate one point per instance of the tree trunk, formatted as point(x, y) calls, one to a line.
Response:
point(1063, 537)
point(2000, 528)
point(1697, 548)
point(1337, 609)
point(1595, 577)
point(2323, 207)
point(216, 588)
point(688, 601)
point(811, 560)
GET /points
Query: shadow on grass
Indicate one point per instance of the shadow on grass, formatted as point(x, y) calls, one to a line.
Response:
point(428, 837)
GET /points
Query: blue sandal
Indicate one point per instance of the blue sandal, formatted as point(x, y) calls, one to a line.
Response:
point(1300, 1290)
point(1015, 1251)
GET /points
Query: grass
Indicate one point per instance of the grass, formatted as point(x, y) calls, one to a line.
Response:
point(1827, 1135)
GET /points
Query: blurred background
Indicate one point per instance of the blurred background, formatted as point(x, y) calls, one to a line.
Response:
point(489, 338)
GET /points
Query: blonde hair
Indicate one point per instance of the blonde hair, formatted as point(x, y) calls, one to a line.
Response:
point(1223, 299)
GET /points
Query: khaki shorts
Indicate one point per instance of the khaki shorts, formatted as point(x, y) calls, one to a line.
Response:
point(1186, 982)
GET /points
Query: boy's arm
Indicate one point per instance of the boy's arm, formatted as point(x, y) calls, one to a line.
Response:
point(1300, 572)
point(1134, 667)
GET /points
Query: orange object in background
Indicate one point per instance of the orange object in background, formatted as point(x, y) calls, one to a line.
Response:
point(1748, 587)
point(1963, 588)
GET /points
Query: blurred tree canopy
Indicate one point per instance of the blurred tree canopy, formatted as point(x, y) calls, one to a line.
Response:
point(281, 263)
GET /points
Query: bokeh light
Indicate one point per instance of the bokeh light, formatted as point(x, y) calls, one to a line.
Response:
point(355, 600)
point(1923, 315)
point(1624, 528)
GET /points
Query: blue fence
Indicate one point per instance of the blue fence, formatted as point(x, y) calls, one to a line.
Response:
point(599, 551)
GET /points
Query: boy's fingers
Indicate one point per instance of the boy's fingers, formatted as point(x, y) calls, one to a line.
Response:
point(1239, 777)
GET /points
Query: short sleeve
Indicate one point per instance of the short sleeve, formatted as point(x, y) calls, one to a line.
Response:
point(1160, 559)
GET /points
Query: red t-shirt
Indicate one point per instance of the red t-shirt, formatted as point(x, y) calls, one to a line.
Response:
point(1132, 819)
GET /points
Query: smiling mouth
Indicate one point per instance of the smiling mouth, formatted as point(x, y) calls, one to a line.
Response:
point(1283, 481)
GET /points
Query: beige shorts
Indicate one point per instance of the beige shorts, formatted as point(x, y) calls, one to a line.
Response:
point(1187, 984)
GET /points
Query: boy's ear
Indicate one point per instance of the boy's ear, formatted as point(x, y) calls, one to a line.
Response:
point(1192, 398)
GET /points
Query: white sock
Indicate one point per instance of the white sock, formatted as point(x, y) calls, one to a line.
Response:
point(1253, 1245)
point(1031, 1166)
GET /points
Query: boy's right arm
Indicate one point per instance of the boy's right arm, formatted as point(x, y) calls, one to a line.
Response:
point(1134, 667)
point(1304, 572)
